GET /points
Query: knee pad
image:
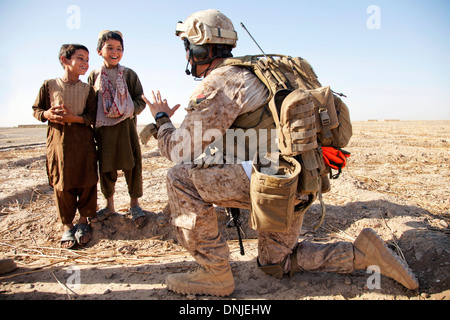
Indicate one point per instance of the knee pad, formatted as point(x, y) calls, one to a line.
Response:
point(274, 270)
point(277, 270)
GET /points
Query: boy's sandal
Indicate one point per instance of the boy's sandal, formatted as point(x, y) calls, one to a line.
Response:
point(69, 236)
point(103, 214)
point(137, 213)
point(83, 230)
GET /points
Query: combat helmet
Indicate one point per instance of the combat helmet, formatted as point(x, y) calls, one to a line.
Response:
point(203, 31)
point(207, 26)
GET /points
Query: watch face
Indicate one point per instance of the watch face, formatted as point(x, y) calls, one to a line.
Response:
point(161, 115)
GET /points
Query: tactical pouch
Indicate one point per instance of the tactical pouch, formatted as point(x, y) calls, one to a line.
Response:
point(296, 122)
point(309, 175)
point(326, 117)
point(342, 133)
point(300, 116)
point(272, 193)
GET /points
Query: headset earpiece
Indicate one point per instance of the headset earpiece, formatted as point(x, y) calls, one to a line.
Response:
point(202, 55)
point(199, 52)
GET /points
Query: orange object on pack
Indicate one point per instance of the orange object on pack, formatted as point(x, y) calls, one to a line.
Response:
point(335, 158)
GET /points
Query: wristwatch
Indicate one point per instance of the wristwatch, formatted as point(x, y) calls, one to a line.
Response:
point(161, 118)
point(160, 115)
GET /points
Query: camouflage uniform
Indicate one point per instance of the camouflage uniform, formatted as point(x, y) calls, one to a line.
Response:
point(226, 93)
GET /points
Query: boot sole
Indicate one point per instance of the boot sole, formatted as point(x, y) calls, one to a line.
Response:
point(218, 292)
point(378, 248)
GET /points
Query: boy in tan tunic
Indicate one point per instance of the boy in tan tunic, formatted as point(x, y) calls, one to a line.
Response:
point(69, 106)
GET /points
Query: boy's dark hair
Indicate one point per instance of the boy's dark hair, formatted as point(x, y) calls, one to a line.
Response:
point(67, 51)
point(108, 36)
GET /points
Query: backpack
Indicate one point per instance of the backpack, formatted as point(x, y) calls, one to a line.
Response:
point(282, 75)
point(308, 117)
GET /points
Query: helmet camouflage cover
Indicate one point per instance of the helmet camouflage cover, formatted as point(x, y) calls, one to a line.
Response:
point(207, 27)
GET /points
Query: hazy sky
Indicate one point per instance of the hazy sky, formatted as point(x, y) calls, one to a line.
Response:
point(391, 58)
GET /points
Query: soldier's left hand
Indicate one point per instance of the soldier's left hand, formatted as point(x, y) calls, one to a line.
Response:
point(160, 105)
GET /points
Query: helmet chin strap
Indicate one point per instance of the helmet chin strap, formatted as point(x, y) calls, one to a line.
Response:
point(193, 71)
point(198, 77)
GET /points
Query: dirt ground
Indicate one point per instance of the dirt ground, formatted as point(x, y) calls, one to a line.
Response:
point(396, 182)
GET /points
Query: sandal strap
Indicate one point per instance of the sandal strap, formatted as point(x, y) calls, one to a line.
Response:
point(82, 230)
point(136, 212)
point(68, 235)
point(103, 214)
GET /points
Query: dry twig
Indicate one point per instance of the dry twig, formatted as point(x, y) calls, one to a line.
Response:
point(68, 290)
point(340, 233)
point(394, 238)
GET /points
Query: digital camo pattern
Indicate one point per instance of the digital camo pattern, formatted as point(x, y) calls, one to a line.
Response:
point(192, 193)
point(273, 247)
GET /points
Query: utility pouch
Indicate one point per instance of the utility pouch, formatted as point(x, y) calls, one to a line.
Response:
point(295, 115)
point(343, 133)
point(309, 175)
point(272, 192)
point(326, 117)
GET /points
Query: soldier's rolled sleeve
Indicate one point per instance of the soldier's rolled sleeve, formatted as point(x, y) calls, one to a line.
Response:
point(164, 136)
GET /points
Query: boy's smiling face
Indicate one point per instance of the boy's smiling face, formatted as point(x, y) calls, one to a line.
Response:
point(78, 64)
point(111, 52)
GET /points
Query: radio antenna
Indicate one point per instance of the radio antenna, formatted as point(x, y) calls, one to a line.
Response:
point(253, 39)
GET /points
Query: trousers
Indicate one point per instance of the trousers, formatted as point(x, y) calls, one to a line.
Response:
point(133, 178)
point(193, 192)
point(83, 199)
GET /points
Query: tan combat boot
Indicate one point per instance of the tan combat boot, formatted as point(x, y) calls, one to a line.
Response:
point(370, 250)
point(203, 281)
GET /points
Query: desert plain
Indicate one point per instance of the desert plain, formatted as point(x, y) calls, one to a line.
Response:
point(396, 182)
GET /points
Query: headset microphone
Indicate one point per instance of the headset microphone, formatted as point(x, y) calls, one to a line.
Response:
point(187, 70)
